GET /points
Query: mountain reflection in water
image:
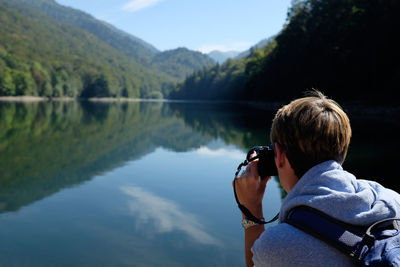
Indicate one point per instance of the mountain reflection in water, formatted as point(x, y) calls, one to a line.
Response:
point(49, 146)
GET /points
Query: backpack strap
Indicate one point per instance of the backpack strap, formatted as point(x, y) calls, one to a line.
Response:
point(354, 241)
point(342, 236)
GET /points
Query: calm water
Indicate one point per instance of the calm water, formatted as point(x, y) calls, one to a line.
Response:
point(142, 184)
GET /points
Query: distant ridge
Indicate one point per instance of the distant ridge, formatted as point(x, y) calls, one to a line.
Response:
point(258, 45)
point(180, 62)
point(221, 57)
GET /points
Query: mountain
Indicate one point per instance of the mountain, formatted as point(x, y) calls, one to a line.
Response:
point(130, 45)
point(133, 38)
point(221, 57)
point(223, 82)
point(124, 42)
point(51, 50)
point(258, 45)
point(42, 56)
point(180, 62)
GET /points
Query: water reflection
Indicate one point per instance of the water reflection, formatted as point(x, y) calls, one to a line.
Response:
point(374, 147)
point(45, 147)
point(231, 153)
point(164, 215)
point(68, 168)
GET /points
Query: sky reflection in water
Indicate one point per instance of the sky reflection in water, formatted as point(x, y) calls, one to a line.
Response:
point(165, 216)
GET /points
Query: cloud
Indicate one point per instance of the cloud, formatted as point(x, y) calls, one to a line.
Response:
point(237, 46)
point(136, 5)
point(221, 152)
point(165, 215)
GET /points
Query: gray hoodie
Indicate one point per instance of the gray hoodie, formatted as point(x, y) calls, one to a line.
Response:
point(330, 189)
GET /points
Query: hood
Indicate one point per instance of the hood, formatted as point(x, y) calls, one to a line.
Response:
point(330, 189)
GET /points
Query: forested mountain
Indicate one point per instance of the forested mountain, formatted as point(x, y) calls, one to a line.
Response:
point(176, 63)
point(41, 56)
point(124, 42)
point(180, 62)
point(50, 50)
point(224, 82)
point(346, 48)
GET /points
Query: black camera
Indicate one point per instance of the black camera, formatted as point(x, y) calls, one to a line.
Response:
point(266, 160)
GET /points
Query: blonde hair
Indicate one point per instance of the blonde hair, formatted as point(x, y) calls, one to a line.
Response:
point(311, 130)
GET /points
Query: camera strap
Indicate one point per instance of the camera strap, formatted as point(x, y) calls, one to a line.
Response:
point(242, 208)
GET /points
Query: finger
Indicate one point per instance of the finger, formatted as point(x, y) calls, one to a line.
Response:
point(252, 155)
point(254, 169)
point(246, 172)
point(266, 180)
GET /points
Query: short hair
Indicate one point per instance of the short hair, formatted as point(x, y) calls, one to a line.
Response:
point(311, 130)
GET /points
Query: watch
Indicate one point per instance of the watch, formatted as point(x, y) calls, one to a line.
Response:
point(246, 223)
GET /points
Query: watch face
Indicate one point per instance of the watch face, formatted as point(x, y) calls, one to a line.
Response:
point(247, 223)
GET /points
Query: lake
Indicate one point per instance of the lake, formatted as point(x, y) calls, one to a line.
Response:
point(145, 183)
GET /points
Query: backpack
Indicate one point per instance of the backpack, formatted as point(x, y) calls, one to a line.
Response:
point(375, 245)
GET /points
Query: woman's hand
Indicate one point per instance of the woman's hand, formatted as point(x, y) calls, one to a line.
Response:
point(250, 189)
point(250, 192)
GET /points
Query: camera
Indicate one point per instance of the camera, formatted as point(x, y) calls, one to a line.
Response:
point(266, 160)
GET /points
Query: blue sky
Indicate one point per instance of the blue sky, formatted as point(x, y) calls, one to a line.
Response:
point(202, 25)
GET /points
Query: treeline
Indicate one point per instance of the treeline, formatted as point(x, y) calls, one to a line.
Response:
point(347, 48)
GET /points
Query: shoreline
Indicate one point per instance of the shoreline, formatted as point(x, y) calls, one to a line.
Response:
point(350, 106)
point(27, 99)
point(124, 99)
point(33, 99)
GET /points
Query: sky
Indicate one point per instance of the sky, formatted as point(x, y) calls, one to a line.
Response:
point(202, 25)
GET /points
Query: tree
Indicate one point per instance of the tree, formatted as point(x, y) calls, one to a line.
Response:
point(24, 83)
point(7, 86)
